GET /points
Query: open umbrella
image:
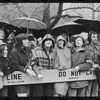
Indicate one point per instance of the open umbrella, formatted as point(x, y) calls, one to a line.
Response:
point(4, 25)
point(70, 28)
point(91, 24)
point(28, 23)
point(8, 28)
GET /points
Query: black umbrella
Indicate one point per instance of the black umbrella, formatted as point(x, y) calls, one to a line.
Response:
point(91, 24)
point(70, 28)
point(4, 25)
point(37, 33)
point(8, 28)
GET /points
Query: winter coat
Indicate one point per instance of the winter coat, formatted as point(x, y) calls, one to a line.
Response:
point(63, 61)
point(95, 51)
point(83, 59)
point(63, 56)
point(19, 59)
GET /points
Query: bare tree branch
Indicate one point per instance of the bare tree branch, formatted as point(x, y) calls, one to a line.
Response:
point(97, 8)
point(20, 11)
point(78, 13)
point(67, 15)
point(79, 8)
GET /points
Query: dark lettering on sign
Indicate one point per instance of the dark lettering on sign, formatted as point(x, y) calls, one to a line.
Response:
point(87, 72)
point(90, 72)
point(19, 76)
point(14, 77)
point(74, 73)
point(62, 74)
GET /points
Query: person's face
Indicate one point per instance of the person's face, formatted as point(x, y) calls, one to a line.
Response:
point(48, 43)
point(1, 34)
point(5, 51)
point(61, 43)
point(79, 42)
point(25, 42)
point(94, 38)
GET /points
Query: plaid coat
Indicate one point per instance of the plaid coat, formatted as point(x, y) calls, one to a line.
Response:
point(42, 59)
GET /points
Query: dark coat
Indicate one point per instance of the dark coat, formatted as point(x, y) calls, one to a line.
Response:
point(80, 59)
point(19, 59)
point(95, 51)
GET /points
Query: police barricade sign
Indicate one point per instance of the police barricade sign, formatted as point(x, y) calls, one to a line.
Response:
point(49, 76)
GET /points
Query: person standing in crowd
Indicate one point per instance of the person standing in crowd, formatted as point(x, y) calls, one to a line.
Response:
point(10, 42)
point(43, 58)
point(94, 48)
point(81, 61)
point(62, 62)
point(4, 65)
point(3, 61)
point(19, 58)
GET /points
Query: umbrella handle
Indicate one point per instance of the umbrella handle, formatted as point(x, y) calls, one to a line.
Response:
point(27, 31)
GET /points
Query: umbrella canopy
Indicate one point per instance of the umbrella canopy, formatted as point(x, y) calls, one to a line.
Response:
point(70, 28)
point(29, 23)
point(4, 25)
point(91, 24)
point(8, 28)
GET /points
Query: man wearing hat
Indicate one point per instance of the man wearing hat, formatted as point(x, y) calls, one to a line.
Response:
point(43, 58)
point(19, 57)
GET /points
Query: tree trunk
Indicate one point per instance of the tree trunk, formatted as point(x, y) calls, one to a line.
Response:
point(46, 14)
point(59, 13)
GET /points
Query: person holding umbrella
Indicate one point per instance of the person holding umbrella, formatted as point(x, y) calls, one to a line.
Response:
point(43, 58)
point(62, 62)
point(81, 61)
point(19, 60)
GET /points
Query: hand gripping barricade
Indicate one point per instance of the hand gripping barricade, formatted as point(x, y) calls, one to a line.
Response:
point(49, 76)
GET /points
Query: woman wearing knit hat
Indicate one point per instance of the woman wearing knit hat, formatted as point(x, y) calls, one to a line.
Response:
point(19, 58)
point(62, 61)
point(43, 58)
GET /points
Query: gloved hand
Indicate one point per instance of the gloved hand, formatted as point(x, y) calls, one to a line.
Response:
point(95, 65)
point(76, 68)
point(31, 73)
point(40, 76)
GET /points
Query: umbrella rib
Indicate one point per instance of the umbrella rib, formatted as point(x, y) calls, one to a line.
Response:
point(20, 23)
point(36, 25)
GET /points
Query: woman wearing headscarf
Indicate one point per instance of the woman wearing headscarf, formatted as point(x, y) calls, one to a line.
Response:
point(43, 58)
point(62, 62)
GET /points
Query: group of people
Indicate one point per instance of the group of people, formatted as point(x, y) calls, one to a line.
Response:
point(24, 53)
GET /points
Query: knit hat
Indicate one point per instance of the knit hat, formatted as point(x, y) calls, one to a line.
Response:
point(48, 37)
point(30, 37)
point(20, 37)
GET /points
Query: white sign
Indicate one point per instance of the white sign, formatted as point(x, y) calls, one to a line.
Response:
point(50, 76)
